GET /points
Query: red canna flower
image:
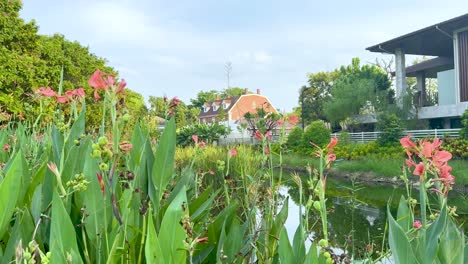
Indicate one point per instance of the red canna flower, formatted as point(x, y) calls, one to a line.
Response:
point(121, 87)
point(233, 153)
point(47, 92)
point(410, 163)
point(280, 122)
point(419, 170)
point(96, 80)
point(195, 139)
point(61, 99)
point(125, 146)
point(417, 224)
point(293, 120)
point(441, 157)
point(407, 143)
point(427, 149)
point(101, 182)
point(332, 143)
point(202, 144)
point(6, 147)
point(330, 157)
point(257, 135)
point(267, 150)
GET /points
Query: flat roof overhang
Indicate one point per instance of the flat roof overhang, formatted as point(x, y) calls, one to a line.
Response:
point(435, 40)
point(430, 68)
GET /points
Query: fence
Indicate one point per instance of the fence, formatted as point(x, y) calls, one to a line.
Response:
point(362, 137)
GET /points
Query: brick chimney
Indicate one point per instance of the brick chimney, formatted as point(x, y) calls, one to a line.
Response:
point(258, 91)
point(246, 91)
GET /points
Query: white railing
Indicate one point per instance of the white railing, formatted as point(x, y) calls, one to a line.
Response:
point(363, 137)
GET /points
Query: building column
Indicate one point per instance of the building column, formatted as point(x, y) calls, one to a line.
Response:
point(421, 88)
point(400, 73)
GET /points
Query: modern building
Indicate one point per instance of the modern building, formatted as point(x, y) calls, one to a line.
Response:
point(231, 111)
point(447, 43)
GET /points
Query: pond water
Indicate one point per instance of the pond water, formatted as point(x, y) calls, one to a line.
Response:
point(358, 218)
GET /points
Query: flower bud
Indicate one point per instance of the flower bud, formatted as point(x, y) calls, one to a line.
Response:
point(96, 147)
point(102, 141)
point(317, 206)
point(126, 117)
point(326, 255)
point(77, 142)
point(96, 154)
point(103, 166)
point(323, 243)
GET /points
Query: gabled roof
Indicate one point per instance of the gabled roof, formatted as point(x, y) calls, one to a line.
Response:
point(211, 112)
point(435, 40)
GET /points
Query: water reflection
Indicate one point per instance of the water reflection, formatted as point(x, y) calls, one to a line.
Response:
point(356, 220)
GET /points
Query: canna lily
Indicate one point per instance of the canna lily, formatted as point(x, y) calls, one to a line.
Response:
point(417, 224)
point(419, 169)
point(47, 92)
point(61, 99)
point(407, 143)
point(125, 146)
point(293, 120)
point(233, 153)
point(332, 143)
point(195, 139)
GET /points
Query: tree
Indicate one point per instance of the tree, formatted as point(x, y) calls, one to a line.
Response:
point(183, 114)
point(203, 97)
point(232, 92)
point(261, 121)
point(356, 89)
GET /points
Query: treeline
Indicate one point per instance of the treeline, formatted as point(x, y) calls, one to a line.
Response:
point(29, 60)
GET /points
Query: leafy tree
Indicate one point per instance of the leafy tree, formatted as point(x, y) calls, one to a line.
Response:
point(313, 96)
point(184, 115)
point(317, 133)
point(391, 127)
point(203, 97)
point(295, 139)
point(261, 121)
point(232, 92)
point(464, 122)
point(356, 89)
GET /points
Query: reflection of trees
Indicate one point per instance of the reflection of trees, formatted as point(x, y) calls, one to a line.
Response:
point(369, 217)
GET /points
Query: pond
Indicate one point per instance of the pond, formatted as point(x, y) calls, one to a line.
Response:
point(357, 214)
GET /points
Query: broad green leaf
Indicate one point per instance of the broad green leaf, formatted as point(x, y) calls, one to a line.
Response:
point(285, 250)
point(77, 129)
point(312, 256)
point(22, 230)
point(10, 190)
point(62, 234)
point(234, 241)
point(171, 234)
point(163, 167)
point(115, 253)
point(298, 244)
point(202, 204)
point(220, 250)
point(401, 248)
point(153, 251)
point(433, 234)
point(404, 216)
point(57, 144)
point(452, 248)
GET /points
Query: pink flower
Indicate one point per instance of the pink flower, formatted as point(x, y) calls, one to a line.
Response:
point(195, 139)
point(280, 122)
point(293, 120)
point(233, 152)
point(268, 135)
point(257, 135)
point(410, 163)
point(267, 150)
point(61, 99)
point(441, 157)
point(79, 92)
point(417, 224)
point(6, 147)
point(427, 149)
point(96, 80)
point(53, 168)
point(332, 143)
point(47, 92)
point(202, 144)
point(406, 142)
point(125, 146)
point(330, 157)
point(419, 170)
point(174, 102)
point(121, 87)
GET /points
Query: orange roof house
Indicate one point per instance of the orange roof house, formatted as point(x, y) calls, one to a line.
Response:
point(233, 109)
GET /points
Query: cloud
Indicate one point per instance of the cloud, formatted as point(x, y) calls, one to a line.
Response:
point(262, 57)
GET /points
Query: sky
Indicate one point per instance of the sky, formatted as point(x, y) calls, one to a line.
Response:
point(178, 48)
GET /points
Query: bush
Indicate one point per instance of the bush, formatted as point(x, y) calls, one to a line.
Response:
point(390, 126)
point(294, 141)
point(317, 133)
point(458, 147)
point(371, 149)
point(344, 138)
point(205, 132)
point(464, 122)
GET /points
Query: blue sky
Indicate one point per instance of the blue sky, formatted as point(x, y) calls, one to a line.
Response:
point(177, 48)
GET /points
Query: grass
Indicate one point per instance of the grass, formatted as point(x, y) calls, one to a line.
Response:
point(379, 167)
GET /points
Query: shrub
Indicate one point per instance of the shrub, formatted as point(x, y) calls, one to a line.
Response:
point(371, 149)
point(464, 122)
point(390, 126)
point(458, 148)
point(317, 133)
point(295, 139)
point(208, 133)
point(344, 138)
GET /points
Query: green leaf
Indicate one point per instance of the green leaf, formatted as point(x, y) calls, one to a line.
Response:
point(62, 234)
point(153, 251)
point(298, 245)
point(285, 250)
point(312, 256)
point(233, 244)
point(404, 216)
point(76, 131)
point(452, 245)
point(433, 234)
point(202, 204)
point(163, 167)
point(399, 244)
point(22, 230)
point(171, 231)
point(10, 190)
